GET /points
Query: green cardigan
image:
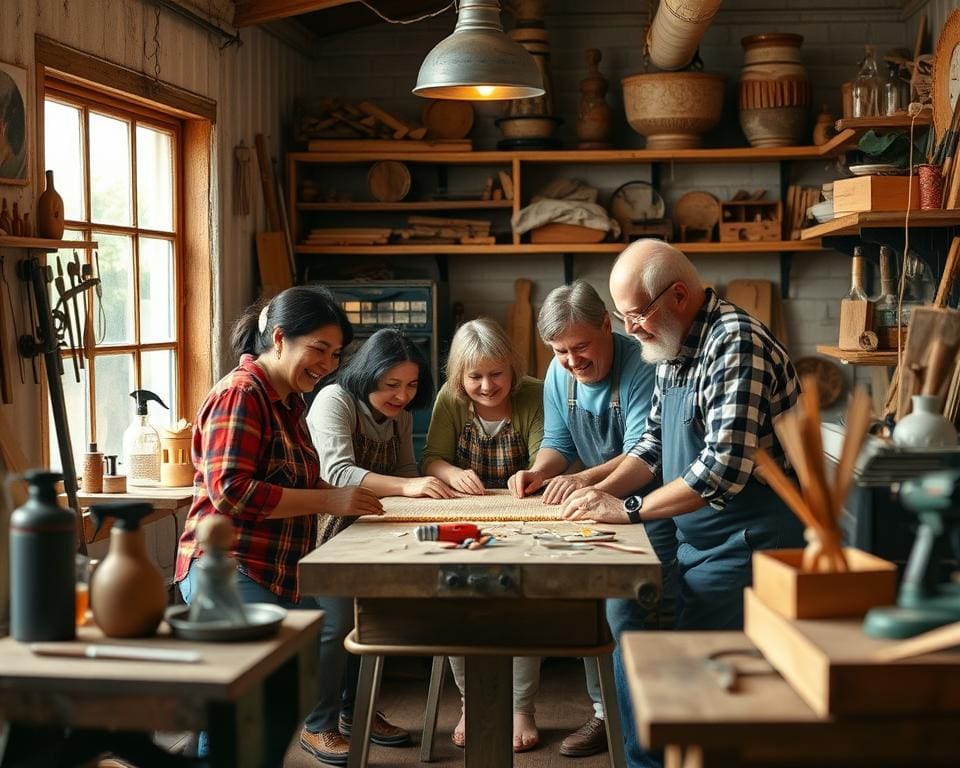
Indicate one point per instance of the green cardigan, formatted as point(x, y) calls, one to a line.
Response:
point(450, 418)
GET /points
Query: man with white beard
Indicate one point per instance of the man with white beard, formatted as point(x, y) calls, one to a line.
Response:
point(722, 380)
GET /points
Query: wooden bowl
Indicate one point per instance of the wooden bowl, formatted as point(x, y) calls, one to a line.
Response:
point(673, 109)
point(528, 126)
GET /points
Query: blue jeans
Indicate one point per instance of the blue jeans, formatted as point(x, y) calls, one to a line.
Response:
point(630, 616)
point(337, 690)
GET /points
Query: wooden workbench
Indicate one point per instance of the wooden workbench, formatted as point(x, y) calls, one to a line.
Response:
point(517, 597)
point(250, 697)
point(681, 707)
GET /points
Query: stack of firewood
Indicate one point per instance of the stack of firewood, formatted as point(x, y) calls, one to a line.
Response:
point(438, 230)
point(338, 119)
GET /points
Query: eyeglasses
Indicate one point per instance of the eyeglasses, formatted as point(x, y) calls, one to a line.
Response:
point(636, 318)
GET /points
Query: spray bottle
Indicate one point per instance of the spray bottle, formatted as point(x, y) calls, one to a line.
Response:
point(127, 595)
point(141, 443)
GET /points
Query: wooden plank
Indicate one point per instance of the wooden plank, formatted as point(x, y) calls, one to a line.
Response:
point(755, 297)
point(520, 322)
point(419, 205)
point(487, 687)
point(858, 358)
point(43, 244)
point(272, 260)
point(851, 224)
point(832, 665)
point(248, 13)
point(386, 145)
point(268, 184)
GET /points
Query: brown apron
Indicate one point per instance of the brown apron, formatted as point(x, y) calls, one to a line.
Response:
point(494, 458)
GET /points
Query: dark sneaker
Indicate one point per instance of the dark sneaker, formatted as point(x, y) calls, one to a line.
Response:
point(327, 746)
point(382, 732)
point(589, 739)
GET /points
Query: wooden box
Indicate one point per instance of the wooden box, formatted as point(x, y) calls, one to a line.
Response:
point(874, 193)
point(779, 582)
point(566, 233)
point(832, 665)
point(750, 221)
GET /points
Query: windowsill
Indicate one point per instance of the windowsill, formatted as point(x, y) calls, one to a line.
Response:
point(165, 502)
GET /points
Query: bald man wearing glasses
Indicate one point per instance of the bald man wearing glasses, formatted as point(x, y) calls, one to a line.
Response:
point(721, 381)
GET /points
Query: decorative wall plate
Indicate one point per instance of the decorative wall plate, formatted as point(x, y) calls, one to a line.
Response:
point(636, 201)
point(946, 73)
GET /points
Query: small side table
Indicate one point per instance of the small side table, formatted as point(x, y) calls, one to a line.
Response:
point(250, 697)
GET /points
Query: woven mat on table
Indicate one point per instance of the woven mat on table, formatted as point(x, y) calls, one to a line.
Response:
point(496, 506)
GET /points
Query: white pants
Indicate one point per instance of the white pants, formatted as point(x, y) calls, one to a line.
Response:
point(526, 681)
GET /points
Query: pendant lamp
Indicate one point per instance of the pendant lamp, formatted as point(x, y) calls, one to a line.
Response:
point(478, 62)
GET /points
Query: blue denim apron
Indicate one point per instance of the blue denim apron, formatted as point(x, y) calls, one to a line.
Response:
point(715, 546)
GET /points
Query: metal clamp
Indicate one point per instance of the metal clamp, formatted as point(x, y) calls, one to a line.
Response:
point(479, 581)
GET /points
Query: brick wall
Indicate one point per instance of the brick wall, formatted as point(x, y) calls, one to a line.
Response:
point(381, 62)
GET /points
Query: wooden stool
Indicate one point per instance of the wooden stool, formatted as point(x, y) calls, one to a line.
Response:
point(493, 658)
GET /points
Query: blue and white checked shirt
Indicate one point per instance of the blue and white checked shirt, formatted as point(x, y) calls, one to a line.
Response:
point(743, 380)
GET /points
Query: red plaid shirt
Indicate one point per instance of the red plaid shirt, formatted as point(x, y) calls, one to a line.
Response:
point(248, 446)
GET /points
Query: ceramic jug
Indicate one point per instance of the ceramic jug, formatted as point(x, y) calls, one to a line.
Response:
point(50, 212)
point(925, 426)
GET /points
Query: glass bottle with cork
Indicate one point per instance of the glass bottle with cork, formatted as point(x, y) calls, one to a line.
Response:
point(856, 310)
point(886, 320)
point(867, 87)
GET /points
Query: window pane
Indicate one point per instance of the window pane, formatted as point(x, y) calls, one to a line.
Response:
point(116, 274)
point(154, 179)
point(76, 398)
point(63, 154)
point(159, 374)
point(156, 290)
point(110, 189)
point(115, 408)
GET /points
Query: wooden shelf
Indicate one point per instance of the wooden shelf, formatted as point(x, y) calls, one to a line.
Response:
point(424, 205)
point(852, 223)
point(779, 246)
point(853, 357)
point(839, 143)
point(863, 124)
point(42, 244)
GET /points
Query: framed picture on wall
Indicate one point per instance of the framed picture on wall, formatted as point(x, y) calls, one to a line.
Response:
point(13, 124)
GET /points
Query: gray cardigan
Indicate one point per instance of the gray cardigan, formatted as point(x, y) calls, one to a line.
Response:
point(332, 420)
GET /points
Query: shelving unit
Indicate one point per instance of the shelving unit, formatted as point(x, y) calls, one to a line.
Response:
point(861, 125)
point(513, 163)
point(854, 357)
point(854, 223)
point(43, 244)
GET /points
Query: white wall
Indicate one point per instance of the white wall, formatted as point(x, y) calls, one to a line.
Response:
point(253, 85)
point(381, 62)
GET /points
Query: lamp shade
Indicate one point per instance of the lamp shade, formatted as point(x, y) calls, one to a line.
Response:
point(478, 62)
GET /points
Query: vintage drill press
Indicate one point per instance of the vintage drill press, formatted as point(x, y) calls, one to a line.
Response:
point(923, 603)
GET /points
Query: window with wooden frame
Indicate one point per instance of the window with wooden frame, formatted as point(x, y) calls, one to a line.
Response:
point(117, 166)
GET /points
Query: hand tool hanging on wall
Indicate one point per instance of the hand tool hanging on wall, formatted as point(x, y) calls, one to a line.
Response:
point(65, 318)
point(51, 325)
point(73, 269)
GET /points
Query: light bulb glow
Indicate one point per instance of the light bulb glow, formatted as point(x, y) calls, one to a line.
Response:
point(486, 90)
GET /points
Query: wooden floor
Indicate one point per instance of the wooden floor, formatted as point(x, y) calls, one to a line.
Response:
point(562, 707)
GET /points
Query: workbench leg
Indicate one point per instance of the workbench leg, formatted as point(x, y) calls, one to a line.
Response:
point(237, 731)
point(488, 706)
point(364, 710)
point(433, 708)
point(611, 711)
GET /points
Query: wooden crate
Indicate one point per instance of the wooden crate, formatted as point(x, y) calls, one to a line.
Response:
point(875, 193)
point(830, 663)
point(750, 220)
point(781, 585)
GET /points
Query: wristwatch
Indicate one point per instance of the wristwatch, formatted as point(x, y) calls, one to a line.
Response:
point(632, 506)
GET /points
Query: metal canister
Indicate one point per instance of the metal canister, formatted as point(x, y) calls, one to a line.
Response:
point(43, 546)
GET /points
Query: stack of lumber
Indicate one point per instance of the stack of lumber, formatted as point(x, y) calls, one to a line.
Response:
point(438, 230)
point(348, 236)
point(795, 209)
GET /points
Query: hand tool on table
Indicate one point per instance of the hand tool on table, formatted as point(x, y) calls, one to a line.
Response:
point(584, 545)
point(65, 318)
point(127, 652)
point(728, 671)
point(73, 269)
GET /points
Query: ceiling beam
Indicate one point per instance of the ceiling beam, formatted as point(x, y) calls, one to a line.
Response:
point(250, 12)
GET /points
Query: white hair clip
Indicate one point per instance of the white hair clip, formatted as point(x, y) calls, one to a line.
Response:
point(262, 321)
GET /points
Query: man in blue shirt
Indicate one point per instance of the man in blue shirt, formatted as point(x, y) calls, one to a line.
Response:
point(596, 395)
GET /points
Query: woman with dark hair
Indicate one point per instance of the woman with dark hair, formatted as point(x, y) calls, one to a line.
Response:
point(255, 462)
point(363, 432)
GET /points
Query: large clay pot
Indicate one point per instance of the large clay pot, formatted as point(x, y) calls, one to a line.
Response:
point(50, 212)
point(774, 96)
point(673, 109)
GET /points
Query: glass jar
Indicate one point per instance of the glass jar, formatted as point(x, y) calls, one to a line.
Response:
point(867, 87)
point(892, 93)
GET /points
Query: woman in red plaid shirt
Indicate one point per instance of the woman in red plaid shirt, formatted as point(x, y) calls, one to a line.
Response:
point(255, 462)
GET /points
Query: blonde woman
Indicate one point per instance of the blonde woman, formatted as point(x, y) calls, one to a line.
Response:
point(487, 425)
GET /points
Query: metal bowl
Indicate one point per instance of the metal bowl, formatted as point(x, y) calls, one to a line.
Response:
point(263, 620)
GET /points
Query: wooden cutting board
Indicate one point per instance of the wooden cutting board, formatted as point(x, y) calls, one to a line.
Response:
point(447, 118)
point(272, 259)
point(754, 297)
point(520, 322)
point(543, 352)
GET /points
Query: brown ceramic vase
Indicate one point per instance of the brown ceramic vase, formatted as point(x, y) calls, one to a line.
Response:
point(50, 212)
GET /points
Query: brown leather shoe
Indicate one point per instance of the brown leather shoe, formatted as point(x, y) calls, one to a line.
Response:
point(382, 731)
point(327, 746)
point(589, 739)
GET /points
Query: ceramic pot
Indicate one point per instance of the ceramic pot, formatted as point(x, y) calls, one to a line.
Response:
point(50, 212)
point(673, 109)
point(925, 426)
point(774, 94)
